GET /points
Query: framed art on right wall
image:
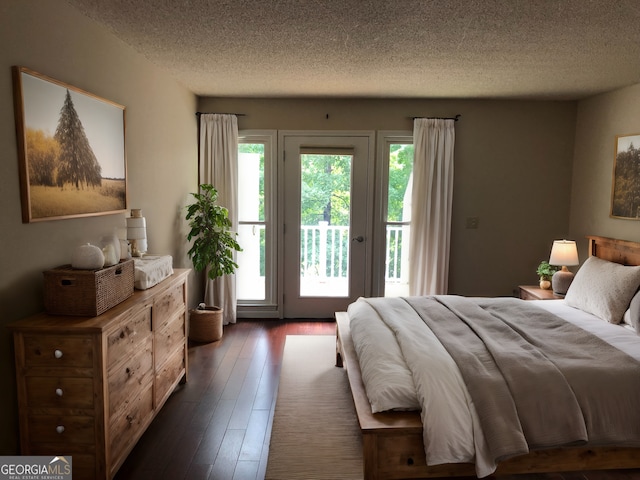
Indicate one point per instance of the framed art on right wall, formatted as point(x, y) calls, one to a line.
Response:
point(625, 191)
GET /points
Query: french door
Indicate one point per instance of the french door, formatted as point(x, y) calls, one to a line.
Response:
point(327, 226)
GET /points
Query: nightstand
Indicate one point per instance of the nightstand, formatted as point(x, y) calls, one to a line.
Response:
point(534, 292)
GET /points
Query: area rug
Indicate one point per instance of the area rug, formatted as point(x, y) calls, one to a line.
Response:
point(315, 432)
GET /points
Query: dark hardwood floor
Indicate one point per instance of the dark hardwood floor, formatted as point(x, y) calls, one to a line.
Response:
point(217, 426)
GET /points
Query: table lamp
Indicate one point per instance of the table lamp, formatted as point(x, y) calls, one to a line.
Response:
point(563, 253)
point(137, 233)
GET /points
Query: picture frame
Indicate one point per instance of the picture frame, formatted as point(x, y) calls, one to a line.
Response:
point(71, 149)
point(625, 189)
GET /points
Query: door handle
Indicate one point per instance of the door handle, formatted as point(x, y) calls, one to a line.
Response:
point(358, 239)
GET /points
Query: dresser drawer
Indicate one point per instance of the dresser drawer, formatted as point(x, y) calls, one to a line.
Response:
point(166, 306)
point(170, 337)
point(127, 378)
point(124, 340)
point(126, 427)
point(59, 392)
point(58, 351)
point(167, 375)
point(84, 462)
point(61, 429)
point(84, 466)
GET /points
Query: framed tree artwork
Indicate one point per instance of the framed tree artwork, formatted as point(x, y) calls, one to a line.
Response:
point(625, 197)
point(71, 150)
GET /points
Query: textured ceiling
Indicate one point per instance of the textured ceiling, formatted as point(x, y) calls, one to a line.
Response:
point(543, 49)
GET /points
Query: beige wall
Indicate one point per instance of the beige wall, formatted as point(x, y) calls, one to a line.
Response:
point(513, 171)
point(53, 39)
point(600, 119)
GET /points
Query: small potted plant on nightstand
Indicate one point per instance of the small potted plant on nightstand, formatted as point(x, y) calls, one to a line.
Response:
point(545, 272)
point(212, 251)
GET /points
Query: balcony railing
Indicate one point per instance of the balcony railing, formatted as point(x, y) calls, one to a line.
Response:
point(324, 261)
point(324, 251)
point(328, 246)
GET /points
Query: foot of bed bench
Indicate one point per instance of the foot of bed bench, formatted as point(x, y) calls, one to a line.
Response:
point(338, 355)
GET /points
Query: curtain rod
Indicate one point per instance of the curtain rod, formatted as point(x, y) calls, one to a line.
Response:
point(220, 113)
point(455, 119)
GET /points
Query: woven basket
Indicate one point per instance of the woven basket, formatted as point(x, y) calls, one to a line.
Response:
point(205, 325)
point(69, 291)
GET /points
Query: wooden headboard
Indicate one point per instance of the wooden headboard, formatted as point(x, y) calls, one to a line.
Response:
point(613, 250)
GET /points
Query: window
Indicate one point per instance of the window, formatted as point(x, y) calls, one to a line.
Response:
point(396, 162)
point(255, 276)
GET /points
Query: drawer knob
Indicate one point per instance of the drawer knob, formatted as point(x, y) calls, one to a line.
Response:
point(60, 429)
point(129, 372)
point(59, 392)
point(57, 354)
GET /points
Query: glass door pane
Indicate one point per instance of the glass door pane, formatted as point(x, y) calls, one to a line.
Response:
point(250, 275)
point(325, 212)
point(398, 219)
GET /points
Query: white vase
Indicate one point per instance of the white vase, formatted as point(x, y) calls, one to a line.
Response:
point(87, 257)
point(125, 250)
point(110, 257)
point(114, 241)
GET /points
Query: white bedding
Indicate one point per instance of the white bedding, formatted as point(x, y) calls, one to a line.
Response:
point(452, 432)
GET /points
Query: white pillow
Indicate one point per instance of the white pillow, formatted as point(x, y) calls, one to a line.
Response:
point(632, 315)
point(603, 288)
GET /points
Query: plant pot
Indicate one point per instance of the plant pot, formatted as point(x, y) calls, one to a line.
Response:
point(205, 325)
point(545, 284)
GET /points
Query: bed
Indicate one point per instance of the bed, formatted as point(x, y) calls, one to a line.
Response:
point(393, 439)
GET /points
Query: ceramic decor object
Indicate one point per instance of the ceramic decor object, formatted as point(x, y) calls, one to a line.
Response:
point(87, 257)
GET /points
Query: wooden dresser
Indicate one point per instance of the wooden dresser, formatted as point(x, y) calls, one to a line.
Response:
point(89, 387)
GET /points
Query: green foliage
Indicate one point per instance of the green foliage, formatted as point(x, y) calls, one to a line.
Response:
point(210, 225)
point(326, 185)
point(400, 169)
point(546, 271)
point(325, 189)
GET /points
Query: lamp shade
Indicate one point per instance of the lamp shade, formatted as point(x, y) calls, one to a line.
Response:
point(563, 253)
point(136, 228)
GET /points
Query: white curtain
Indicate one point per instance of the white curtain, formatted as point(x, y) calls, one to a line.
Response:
point(219, 167)
point(431, 199)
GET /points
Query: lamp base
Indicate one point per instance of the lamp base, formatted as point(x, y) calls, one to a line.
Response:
point(561, 281)
point(135, 249)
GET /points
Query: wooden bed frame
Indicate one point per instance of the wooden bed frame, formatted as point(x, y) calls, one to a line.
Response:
point(392, 442)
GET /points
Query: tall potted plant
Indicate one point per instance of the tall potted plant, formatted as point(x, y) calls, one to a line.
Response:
point(212, 250)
